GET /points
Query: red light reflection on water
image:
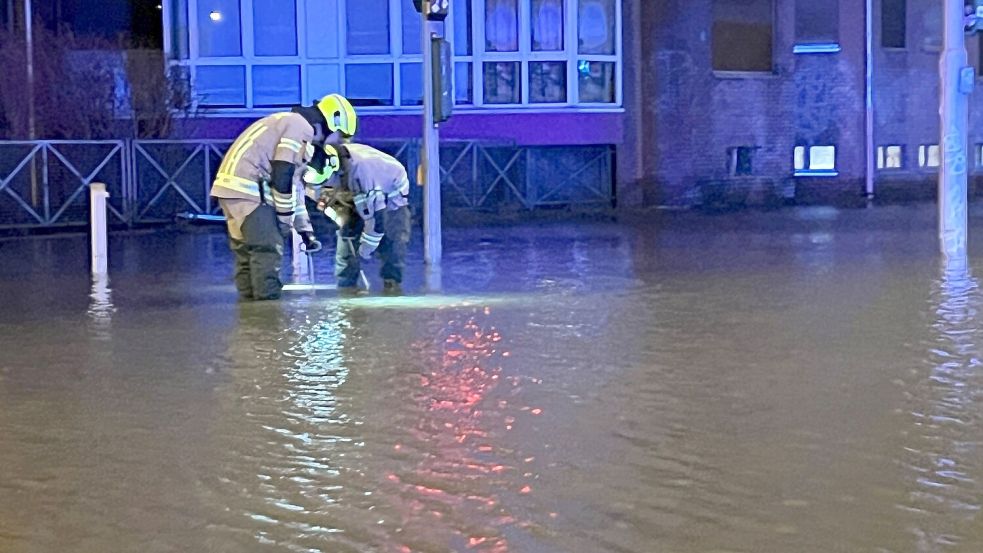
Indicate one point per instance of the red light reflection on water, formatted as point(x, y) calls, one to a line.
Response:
point(454, 486)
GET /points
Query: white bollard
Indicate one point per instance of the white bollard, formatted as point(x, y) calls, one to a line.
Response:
point(97, 222)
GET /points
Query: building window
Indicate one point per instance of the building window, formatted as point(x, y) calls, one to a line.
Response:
point(596, 31)
point(219, 28)
point(369, 84)
point(894, 23)
point(275, 27)
point(929, 155)
point(743, 33)
point(510, 54)
point(502, 83)
point(221, 85)
point(547, 25)
point(890, 157)
point(501, 26)
point(276, 85)
point(547, 82)
point(740, 160)
point(367, 31)
point(815, 160)
point(817, 26)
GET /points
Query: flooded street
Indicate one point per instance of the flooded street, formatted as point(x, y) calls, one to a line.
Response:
point(798, 381)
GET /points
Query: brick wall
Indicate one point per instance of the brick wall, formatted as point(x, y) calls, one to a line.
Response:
point(690, 115)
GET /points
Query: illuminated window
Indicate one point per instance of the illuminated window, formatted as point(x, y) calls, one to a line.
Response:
point(890, 157)
point(743, 35)
point(929, 155)
point(814, 160)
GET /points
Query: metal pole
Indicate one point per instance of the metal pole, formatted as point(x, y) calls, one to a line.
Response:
point(956, 84)
point(29, 36)
point(430, 156)
point(31, 122)
point(869, 101)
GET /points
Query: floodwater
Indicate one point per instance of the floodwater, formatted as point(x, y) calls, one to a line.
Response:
point(798, 381)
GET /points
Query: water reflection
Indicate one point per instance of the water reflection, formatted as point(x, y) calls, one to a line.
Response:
point(942, 445)
point(101, 307)
point(456, 471)
point(288, 439)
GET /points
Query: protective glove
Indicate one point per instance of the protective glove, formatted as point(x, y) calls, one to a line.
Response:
point(368, 244)
point(311, 243)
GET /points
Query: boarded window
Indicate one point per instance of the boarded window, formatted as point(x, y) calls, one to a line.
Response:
point(817, 22)
point(743, 32)
point(894, 23)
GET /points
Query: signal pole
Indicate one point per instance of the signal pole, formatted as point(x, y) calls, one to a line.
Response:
point(956, 84)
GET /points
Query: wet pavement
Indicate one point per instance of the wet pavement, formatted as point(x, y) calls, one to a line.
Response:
point(797, 381)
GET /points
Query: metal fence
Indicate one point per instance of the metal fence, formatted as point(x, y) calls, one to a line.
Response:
point(43, 183)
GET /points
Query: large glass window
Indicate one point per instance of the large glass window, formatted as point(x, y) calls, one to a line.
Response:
point(368, 26)
point(506, 53)
point(742, 35)
point(275, 27)
point(219, 28)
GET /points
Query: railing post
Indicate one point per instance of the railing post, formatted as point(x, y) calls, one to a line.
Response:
point(97, 222)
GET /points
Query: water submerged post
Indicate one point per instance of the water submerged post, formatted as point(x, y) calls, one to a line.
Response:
point(97, 222)
point(956, 84)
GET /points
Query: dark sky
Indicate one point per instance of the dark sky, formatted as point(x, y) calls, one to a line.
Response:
point(109, 18)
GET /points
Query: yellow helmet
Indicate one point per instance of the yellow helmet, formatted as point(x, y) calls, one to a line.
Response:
point(331, 165)
point(339, 113)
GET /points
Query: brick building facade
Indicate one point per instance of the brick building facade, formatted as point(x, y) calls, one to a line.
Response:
point(758, 101)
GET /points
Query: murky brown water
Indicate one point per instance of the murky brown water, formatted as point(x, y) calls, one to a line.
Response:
point(798, 382)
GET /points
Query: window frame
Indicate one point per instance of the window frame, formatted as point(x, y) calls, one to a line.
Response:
point(525, 56)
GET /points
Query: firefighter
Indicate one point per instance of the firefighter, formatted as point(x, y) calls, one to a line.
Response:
point(366, 193)
point(256, 187)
